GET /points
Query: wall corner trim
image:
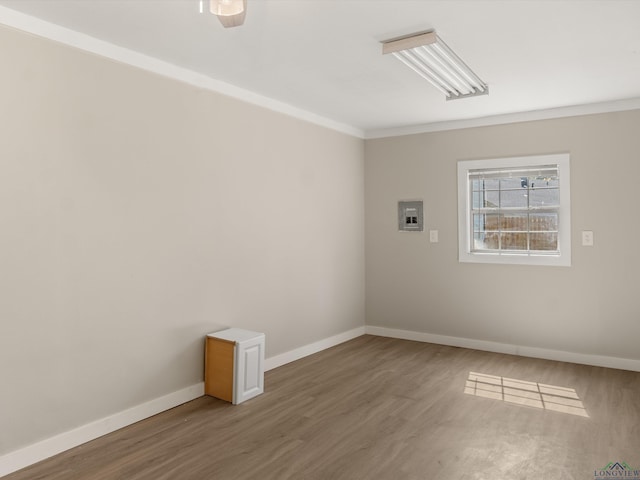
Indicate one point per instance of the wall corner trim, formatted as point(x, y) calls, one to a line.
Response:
point(523, 351)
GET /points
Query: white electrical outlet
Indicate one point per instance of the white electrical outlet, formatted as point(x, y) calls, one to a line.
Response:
point(587, 238)
point(433, 236)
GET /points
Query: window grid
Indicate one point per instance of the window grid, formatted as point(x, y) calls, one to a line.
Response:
point(539, 227)
point(480, 209)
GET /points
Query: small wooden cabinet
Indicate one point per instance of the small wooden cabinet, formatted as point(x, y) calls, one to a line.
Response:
point(234, 365)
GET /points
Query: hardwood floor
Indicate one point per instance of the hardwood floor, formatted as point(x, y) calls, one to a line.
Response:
point(380, 408)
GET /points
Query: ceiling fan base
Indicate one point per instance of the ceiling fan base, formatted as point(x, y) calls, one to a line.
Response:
point(229, 21)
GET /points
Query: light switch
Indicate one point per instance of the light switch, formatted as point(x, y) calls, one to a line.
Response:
point(587, 238)
point(433, 236)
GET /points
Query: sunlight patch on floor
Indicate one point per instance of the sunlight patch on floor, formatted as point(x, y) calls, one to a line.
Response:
point(523, 392)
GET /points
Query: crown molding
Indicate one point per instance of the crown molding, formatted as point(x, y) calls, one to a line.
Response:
point(41, 28)
point(546, 114)
point(26, 23)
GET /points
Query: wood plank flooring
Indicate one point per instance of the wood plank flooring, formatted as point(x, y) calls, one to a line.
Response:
point(380, 408)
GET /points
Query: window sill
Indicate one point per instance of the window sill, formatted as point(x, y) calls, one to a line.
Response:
point(516, 259)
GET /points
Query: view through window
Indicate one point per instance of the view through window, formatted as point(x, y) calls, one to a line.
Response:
point(515, 210)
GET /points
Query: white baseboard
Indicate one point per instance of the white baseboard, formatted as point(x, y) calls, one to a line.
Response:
point(49, 447)
point(306, 350)
point(36, 452)
point(547, 354)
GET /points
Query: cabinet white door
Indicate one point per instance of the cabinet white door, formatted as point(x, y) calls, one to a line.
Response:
point(249, 374)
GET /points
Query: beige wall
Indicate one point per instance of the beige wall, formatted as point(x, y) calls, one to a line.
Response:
point(137, 214)
point(592, 307)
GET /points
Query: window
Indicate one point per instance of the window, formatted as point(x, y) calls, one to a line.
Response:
point(515, 210)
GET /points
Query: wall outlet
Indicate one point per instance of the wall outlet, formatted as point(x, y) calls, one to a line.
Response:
point(433, 236)
point(587, 238)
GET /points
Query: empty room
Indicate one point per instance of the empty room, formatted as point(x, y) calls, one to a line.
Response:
point(319, 239)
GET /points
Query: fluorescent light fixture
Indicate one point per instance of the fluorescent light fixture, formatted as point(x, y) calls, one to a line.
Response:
point(431, 58)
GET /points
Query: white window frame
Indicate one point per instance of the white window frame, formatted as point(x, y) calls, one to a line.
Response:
point(465, 254)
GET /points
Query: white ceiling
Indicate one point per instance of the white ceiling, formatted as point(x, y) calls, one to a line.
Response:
point(324, 56)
